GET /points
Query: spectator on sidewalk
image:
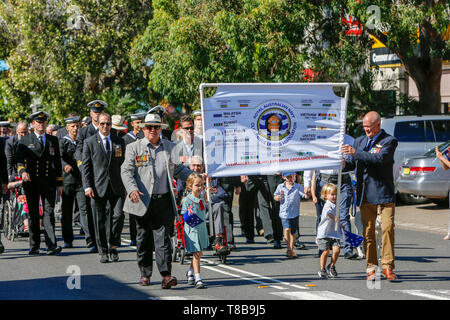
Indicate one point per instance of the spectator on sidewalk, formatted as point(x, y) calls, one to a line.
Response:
point(446, 165)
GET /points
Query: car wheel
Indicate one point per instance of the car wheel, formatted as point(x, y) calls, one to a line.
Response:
point(409, 198)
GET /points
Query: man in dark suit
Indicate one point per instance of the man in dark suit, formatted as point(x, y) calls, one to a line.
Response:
point(96, 108)
point(11, 147)
point(103, 155)
point(39, 164)
point(373, 157)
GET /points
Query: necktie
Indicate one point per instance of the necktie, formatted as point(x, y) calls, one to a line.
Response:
point(41, 141)
point(369, 144)
point(107, 147)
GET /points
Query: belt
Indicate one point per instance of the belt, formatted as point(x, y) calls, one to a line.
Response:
point(159, 196)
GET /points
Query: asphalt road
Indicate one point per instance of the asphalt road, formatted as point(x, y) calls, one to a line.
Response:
point(253, 271)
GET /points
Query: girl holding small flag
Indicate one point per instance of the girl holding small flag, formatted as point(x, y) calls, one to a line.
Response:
point(328, 237)
point(195, 232)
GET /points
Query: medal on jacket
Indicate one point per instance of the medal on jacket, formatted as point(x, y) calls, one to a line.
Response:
point(52, 151)
point(118, 150)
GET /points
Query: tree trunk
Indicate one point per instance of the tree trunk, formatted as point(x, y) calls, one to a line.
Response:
point(426, 74)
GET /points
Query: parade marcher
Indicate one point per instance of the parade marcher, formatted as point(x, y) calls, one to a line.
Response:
point(289, 194)
point(147, 174)
point(445, 163)
point(322, 177)
point(190, 145)
point(198, 123)
point(86, 121)
point(11, 148)
point(130, 137)
point(103, 154)
point(4, 129)
point(137, 132)
point(39, 164)
point(232, 186)
point(373, 157)
point(72, 184)
point(247, 201)
point(196, 238)
point(118, 124)
point(96, 108)
point(328, 236)
point(3, 184)
point(269, 209)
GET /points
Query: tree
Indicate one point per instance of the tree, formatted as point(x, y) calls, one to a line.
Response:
point(417, 31)
point(68, 52)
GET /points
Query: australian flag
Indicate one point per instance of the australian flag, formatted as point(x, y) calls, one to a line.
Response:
point(354, 239)
point(191, 218)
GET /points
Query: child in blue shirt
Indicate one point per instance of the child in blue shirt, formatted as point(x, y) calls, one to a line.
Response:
point(289, 193)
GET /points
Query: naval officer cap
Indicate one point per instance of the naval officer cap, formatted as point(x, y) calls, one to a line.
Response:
point(137, 116)
point(40, 116)
point(97, 105)
point(74, 119)
point(4, 124)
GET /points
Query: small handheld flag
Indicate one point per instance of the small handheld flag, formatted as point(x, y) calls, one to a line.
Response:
point(191, 218)
point(354, 239)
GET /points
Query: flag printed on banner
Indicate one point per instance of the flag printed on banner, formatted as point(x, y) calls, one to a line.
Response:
point(191, 218)
point(266, 125)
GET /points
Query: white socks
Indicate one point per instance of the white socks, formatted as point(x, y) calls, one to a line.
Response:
point(197, 277)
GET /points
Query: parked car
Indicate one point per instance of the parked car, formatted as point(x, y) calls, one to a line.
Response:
point(423, 175)
point(416, 135)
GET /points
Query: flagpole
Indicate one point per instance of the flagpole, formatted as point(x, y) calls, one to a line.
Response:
point(338, 198)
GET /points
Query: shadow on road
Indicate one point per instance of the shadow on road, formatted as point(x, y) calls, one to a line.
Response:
point(92, 287)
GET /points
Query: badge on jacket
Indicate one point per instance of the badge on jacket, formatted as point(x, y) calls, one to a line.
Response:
point(142, 160)
point(52, 151)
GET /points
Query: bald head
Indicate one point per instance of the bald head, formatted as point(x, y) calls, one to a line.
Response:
point(372, 124)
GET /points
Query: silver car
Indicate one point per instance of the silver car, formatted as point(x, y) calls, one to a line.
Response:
point(424, 176)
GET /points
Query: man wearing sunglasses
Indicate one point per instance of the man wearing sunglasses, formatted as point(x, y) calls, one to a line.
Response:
point(147, 174)
point(190, 145)
point(39, 165)
point(103, 154)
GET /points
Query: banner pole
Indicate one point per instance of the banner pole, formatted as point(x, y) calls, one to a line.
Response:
point(208, 193)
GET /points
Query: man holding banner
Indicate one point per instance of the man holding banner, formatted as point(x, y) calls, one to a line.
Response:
point(373, 157)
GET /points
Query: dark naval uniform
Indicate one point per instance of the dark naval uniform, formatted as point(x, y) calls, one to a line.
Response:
point(42, 161)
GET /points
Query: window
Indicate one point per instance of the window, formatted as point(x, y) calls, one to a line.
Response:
point(441, 130)
point(410, 131)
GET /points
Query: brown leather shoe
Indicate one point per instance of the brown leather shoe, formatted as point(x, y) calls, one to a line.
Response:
point(168, 282)
point(144, 281)
point(371, 276)
point(389, 274)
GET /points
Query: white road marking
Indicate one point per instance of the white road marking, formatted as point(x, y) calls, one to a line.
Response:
point(250, 274)
point(430, 294)
point(313, 295)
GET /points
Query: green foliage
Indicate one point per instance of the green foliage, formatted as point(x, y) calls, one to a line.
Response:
point(69, 52)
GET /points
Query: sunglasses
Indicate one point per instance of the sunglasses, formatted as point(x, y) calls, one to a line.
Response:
point(105, 123)
point(153, 127)
point(188, 128)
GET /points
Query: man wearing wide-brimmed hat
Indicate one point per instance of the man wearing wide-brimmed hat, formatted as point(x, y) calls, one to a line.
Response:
point(147, 174)
point(39, 165)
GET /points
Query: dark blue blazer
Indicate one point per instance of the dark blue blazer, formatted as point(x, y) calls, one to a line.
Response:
point(374, 169)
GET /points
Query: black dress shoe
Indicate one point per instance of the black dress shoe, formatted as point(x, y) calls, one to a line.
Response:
point(68, 245)
point(114, 255)
point(34, 251)
point(53, 251)
point(2, 248)
point(104, 258)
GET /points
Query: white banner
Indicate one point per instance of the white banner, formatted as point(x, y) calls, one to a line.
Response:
point(261, 129)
